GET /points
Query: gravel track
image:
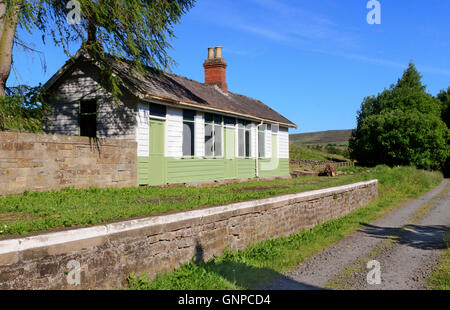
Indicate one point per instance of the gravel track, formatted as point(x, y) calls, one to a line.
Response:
point(407, 242)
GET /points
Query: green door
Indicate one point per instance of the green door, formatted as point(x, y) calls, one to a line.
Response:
point(157, 165)
point(229, 148)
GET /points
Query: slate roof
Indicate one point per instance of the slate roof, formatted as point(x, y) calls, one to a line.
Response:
point(173, 88)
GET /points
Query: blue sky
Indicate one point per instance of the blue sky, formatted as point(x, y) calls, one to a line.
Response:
point(311, 60)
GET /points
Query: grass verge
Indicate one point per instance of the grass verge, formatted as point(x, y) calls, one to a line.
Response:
point(42, 211)
point(440, 280)
point(263, 261)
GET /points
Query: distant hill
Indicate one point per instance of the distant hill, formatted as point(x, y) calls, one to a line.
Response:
point(338, 137)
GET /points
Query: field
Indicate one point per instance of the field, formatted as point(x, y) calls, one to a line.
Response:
point(320, 153)
point(337, 137)
point(319, 146)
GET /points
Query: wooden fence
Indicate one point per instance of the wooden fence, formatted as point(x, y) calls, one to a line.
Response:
point(319, 163)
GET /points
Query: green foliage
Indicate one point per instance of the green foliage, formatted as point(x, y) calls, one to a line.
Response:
point(266, 260)
point(401, 126)
point(401, 138)
point(444, 97)
point(124, 29)
point(22, 110)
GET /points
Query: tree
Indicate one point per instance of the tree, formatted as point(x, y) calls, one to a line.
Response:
point(401, 126)
point(124, 29)
point(444, 97)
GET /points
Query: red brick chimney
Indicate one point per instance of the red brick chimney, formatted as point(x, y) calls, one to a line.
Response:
point(215, 68)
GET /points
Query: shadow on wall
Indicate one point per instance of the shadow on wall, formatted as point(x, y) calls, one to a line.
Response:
point(416, 236)
point(115, 118)
point(247, 276)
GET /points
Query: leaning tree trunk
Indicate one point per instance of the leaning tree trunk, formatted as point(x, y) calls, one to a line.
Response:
point(8, 25)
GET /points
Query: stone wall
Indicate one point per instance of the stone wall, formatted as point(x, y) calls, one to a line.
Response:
point(39, 162)
point(103, 256)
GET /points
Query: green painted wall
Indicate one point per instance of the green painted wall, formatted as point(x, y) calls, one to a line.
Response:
point(158, 170)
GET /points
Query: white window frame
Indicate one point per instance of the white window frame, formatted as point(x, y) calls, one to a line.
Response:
point(213, 124)
point(182, 140)
point(250, 130)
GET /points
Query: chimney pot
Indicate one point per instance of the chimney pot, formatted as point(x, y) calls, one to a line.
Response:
point(219, 52)
point(215, 68)
point(210, 52)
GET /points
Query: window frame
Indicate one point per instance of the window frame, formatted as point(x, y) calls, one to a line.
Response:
point(156, 115)
point(246, 127)
point(80, 114)
point(185, 120)
point(213, 125)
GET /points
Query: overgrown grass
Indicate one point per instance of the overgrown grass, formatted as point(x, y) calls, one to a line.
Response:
point(441, 275)
point(38, 211)
point(261, 262)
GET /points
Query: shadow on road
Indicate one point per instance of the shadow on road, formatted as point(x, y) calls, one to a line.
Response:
point(421, 237)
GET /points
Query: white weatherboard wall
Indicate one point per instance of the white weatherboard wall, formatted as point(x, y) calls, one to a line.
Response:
point(283, 143)
point(199, 131)
point(253, 140)
point(142, 131)
point(174, 133)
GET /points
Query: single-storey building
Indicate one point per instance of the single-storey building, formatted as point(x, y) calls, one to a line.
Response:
point(186, 131)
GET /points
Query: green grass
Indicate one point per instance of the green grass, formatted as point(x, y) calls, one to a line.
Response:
point(263, 261)
point(440, 279)
point(39, 211)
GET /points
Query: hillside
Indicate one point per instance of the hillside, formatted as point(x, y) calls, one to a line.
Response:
point(338, 137)
point(314, 153)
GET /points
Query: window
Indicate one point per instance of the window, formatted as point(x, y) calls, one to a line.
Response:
point(188, 132)
point(213, 135)
point(275, 129)
point(244, 138)
point(157, 110)
point(87, 118)
point(262, 140)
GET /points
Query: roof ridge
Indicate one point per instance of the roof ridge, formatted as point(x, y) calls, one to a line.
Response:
point(162, 83)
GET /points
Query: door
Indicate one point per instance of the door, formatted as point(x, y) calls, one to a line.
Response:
point(157, 167)
point(230, 153)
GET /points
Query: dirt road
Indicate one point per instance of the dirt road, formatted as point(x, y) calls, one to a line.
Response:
point(406, 243)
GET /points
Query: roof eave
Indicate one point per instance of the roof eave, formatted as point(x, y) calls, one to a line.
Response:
point(206, 108)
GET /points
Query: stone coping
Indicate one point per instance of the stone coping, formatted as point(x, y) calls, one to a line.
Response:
point(22, 136)
point(50, 239)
